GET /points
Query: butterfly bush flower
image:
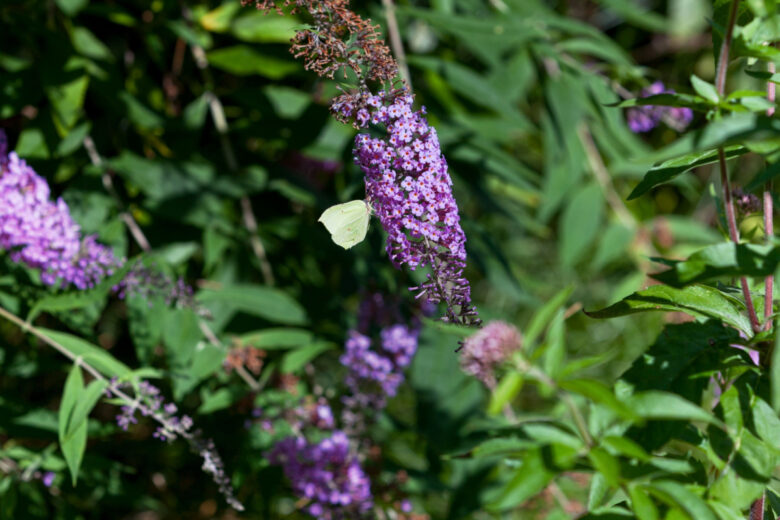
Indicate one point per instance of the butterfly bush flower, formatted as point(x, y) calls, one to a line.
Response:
point(326, 473)
point(375, 375)
point(41, 234)
point(644, 118)
point(485, 350)
point(410, 190)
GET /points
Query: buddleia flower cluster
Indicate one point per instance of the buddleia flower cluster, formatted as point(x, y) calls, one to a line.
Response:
point(409, 188)
point(327, 473)
point(40, 232)
point(486, 349)
point(646, 117)
point(407, 180)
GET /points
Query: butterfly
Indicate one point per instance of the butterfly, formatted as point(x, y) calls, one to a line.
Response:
point(347, 223)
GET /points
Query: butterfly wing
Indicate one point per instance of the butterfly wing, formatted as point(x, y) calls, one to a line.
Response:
point(347, 223)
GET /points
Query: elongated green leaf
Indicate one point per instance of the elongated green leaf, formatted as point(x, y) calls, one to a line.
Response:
point(704, 89)
point(642, 504)
point(606, 465)
point(95, 356)
point(530, 479)
point(725, 260)
point(599, 393)
point(265, 302)
point(507, 389)
point(669, 170)
point(665, 405)
point(295, 360)
point(243, 60)
point(73, 442)
point(678, 494)
point(542, 317)
point(696, 300)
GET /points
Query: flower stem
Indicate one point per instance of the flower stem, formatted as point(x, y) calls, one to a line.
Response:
point(728, 202)
point(769, 229)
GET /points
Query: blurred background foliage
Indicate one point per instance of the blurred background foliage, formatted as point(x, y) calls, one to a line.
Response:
point(519, 91)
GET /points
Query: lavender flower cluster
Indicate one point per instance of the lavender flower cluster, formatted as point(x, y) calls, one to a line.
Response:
point(375, 375)
point(41, 233)
point(410, 190)
point(150, 403)
point(327, 473)
point(644, 118)
point(485, 350)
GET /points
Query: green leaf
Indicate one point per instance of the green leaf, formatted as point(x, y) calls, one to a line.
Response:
point(89, 45)
point(696, 300)
point(642, 504)
point(506, 391)
point(668, 170)
point(95, 356)
point(294, 361)
point(705, 90)
point(555, 350)
point(725, 260)
point(607, 465)
point(599, 393)
point(71, 7)
point(530, 479)
point(542, 317)
point(258, 27)
point(67, 101)
point(676, 493)
point(625, 446)
point(73, 441)
point(580, 224)
point(243, 60)
point(664, 405)
point(265, 302)
point(277, 338)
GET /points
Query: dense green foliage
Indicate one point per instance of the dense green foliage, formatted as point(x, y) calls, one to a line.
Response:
point(192, 123)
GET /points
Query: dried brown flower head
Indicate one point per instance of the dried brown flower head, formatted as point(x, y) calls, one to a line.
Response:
point(337, 40)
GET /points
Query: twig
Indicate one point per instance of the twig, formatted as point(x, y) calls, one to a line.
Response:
point(108, 184)
point(220, 123)
point(603, 178)
point(395, 41)
point(728, 203)
point(240, 370)
point(212, 463)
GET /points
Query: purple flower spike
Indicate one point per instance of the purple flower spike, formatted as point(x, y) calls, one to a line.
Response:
point(410, 190)
point(40, 232)
point(327, 473)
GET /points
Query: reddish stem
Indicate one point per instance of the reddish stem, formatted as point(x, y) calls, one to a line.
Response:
point(720, 85)
point(769, 229)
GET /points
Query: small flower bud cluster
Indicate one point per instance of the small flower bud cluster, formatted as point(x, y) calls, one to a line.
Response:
point(326, 473)
point(150, 403)
point(745, 202)
point(410, 190)
point(147, 283)
point(644, 118)
point(41, 234)
point(486, 349)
